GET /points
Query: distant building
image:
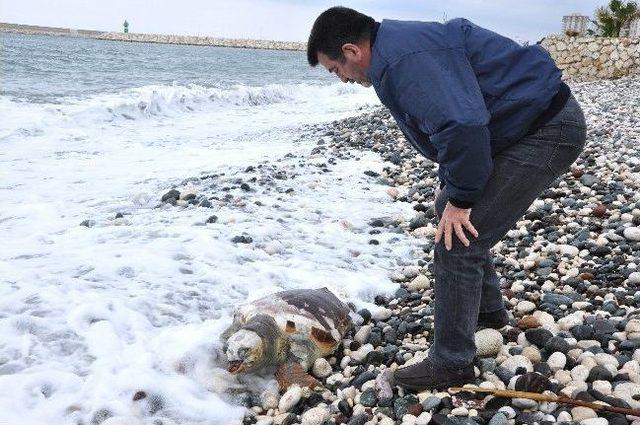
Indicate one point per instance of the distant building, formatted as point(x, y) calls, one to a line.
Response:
point(574, 25)
point(126, 26)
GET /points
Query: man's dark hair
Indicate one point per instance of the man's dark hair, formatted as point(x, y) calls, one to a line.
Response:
point(333, 28)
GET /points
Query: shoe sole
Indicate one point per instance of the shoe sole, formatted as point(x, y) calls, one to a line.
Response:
point(439, 387)
point(491, 325)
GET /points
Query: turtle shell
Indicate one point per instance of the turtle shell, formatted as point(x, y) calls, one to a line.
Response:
point(304, 315)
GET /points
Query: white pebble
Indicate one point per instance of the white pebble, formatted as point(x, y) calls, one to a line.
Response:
point(362, 336)
point(525, 306)
point(557, 361)
point(581, 413)
point(361, 353)
point(419, 282)
point(564, 416)
point(633, 326)
point(568, 250)
point(409, 420)
point(488, 342)
point(290, 398)
point(532, 353)
point(322, 368)
point(626, 391)
point(460, 411)
point(594, 421)
point(632, 233)
point(604, 359)
point(411, 271)
point(579, 373)
point(603, 387)
point(563, 377)
point(315, 416)
point(269, 399)
point(508, 411)
point(634, 278)
point(424, 418)
point(513, 363)
point(381, 313)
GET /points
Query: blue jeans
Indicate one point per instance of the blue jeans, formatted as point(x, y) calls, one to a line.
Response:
point(465, 279)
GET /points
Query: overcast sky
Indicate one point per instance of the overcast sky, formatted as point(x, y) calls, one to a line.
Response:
point(285, 19)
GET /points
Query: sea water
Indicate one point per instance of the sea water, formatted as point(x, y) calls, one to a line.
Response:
point(90, 316)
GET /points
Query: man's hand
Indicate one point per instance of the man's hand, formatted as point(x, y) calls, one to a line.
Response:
point(455, 220)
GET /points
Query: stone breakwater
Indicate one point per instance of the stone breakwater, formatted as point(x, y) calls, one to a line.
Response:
point(155, 38)
point(203, 41)
point(590, 58)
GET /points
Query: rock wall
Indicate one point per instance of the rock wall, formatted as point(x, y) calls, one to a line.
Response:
point(153, 38)
point(591, 58)
point(203, 41)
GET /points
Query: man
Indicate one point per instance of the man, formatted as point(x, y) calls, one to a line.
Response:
point(502, 126)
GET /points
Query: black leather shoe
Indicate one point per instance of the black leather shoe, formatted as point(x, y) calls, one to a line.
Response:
point(495, 319)
point(427, 376)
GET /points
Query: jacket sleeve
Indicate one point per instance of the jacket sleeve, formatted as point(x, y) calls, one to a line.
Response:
point(439, 91)
point(441, 175)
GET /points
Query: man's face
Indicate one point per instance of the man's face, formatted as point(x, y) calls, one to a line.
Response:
point(354, 67)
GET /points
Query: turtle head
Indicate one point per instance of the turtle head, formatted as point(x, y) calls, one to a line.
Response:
point(245, 351)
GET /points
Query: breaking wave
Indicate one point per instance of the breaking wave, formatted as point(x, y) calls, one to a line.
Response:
point(158, 101)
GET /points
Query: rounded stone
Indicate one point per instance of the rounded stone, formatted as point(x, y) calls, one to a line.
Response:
point(633, 326)
point(315, 416)
point(557, 361)
point(419, 282)
point(634, 278)
point(488, 342)
point(322, 368)
point(580, 413)
point(499, 419)
point(525, 306)
point(368, 398)
point(513, 363)
point(632, 233)
point(538, 336)
point(290, 398)
point(594, 421)
point(532, 353)
point(528, 322)
point(580, 373)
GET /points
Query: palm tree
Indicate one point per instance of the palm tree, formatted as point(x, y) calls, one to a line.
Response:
point(617, 15)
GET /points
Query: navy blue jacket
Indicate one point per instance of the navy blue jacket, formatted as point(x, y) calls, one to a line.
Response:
point(460, 94)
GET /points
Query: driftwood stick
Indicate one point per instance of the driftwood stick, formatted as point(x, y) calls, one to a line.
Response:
point(553, 398)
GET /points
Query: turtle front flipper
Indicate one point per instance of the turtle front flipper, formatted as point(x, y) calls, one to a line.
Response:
point(291, 372)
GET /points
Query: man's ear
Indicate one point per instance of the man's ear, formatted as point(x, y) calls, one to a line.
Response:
point(351, 51)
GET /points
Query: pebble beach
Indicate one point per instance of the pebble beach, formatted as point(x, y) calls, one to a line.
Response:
point(143, 204)
point(569, 276)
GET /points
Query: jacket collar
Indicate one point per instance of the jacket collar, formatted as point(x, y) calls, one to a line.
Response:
point(377, 65)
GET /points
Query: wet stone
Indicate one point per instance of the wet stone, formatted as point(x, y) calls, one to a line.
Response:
point(172, 194)
point(368, 398)
point(358, 420)
point(539, 336)
point(582, 332)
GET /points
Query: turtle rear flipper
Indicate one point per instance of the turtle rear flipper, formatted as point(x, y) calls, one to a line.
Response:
point(290, 373)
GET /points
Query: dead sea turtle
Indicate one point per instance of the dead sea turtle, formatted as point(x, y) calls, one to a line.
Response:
point(287, 330)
